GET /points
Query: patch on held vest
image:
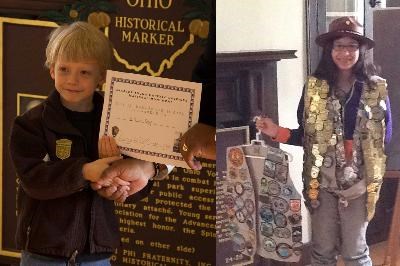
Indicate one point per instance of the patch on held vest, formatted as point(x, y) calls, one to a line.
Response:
point(63, 148)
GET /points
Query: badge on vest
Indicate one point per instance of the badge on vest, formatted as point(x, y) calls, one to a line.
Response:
point(63, 148)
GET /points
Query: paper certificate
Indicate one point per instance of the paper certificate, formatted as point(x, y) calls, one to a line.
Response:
point(148, 115)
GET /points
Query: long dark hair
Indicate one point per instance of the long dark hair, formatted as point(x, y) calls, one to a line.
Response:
point(327, 69)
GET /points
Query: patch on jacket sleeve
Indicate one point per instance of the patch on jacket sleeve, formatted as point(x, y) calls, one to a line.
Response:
point(63, 148)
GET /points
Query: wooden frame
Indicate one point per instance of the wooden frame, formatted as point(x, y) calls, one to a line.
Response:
point(316, 24)
point(393, 243)
point(5, 252)
point(27, 101)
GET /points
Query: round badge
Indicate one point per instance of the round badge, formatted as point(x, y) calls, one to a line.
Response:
point(282, 232)
point(314, 183)
point(274, 188)
point(295, 218)
point(269, 168)
point(239, 189)
point(382, 104)
point(311, 120)
point(281, 173)
point(314, 171)
point(249, 205)
point(229, 202)
point(266, 201)
point(240, 216)
point(236, 157)
point(287, 191)
point(316, 97)
point(328, 161)
point(233, 173)
point(247, 186)
point(245, 212)
point(233, 227)
point(229, 188)
point(263, 181)
point(372, 187)
point(315, 151)
point(267, 229)
point(333, 141)
point(280, 204)
point(243, 174)
point(264, 185)
point(266, 214)
point(318, 163)
point(239, 242)
point(231, 213)
point(280, 220)
point(313, 193)
point(313, 108)
point(319, 126)
point(250, 222)
point(284, 251)
point(377, 113)
point(269, 244)
point(239, 203)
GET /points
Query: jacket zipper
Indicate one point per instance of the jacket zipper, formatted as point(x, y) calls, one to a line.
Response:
point(28, 232)
point(72, 259)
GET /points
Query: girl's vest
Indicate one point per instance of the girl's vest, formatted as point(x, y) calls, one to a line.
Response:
point(324, 152)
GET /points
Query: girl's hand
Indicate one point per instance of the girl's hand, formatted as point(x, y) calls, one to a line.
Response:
point(267, 126)
point(108, 147)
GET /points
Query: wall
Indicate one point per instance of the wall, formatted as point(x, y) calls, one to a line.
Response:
point(263, 25)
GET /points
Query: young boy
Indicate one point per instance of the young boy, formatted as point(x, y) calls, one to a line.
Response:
point(54, 147)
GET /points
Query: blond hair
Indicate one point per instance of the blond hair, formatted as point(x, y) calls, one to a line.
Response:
point(76, 42)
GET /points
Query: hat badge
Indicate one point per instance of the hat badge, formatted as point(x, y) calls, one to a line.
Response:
point(347, 22)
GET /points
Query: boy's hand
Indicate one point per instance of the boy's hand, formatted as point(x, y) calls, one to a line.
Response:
point(127, 170)
point(108, 147)
point(134, 172)
point(120, 193)
point(92, 171)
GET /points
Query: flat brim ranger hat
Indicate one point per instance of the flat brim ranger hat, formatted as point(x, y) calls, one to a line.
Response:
point(345, 27)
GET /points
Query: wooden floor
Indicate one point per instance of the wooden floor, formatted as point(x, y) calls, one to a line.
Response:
point(377, 253)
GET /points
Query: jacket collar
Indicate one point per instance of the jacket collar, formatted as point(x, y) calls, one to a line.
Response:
point(54, 116)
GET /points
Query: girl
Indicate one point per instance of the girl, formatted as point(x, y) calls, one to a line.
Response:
point(344, 117)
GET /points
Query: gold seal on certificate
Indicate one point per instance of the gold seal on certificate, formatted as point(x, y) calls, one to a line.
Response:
point(147, 115)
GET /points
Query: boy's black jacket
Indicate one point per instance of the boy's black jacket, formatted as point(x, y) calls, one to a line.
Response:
point(57, 210)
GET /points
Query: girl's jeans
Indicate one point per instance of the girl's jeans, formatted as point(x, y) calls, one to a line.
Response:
point(339, 230)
